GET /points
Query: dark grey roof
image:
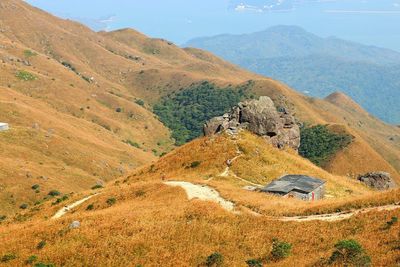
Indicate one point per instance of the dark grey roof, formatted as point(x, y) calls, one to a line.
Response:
point(289, 183)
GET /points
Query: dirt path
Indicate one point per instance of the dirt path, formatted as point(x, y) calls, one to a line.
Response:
point(227, 172)
point(332, 217)
point(203, 192)
point(66, 209)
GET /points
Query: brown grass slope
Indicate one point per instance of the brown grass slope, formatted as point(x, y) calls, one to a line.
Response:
point(59, 100)
point(153, 224)
point(151, 68)
point(124, 66)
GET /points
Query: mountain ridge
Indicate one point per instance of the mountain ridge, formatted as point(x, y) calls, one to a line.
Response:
point(317, 66)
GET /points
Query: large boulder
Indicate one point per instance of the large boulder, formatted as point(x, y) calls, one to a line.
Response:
point(378, 180)
point(262, 118)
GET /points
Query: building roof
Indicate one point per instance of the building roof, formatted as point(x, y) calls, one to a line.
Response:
point(289, 183)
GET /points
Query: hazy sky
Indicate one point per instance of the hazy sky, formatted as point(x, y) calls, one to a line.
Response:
point(375, 22)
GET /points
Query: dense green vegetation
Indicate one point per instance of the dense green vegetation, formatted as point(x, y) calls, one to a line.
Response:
point(186, 111)
point(319, 144)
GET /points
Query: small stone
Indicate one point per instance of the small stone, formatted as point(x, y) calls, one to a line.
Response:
point(75, 225)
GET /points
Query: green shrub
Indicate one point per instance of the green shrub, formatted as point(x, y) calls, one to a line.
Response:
point(24, 206)
point(61, 199)
point(186, 111)
point(90, 207)
point(390, 223)
point(25, 75)
point(29, 53)
point(68, 65)
point(54, 193)
point(2, 217)
point(87, 79)
point(35, 186)
point(41, 244)
point(8, 257)
point(41, 264)
point(140, 193)
point(349, 253)
point(111, 201)
point(140, 102)
point(319, 144)
point(31, 259)
point(254, 263)
point(214, 260)
point(280, 250)
point(97, 186)
point(119, 110)
point(131, 143)
point(195, 164)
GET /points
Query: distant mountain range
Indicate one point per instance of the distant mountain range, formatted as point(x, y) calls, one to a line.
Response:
point(317, 66)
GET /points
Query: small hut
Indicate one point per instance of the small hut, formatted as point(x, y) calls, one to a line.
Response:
point(297, 186)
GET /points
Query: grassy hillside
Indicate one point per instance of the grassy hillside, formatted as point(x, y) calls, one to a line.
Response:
point(153, 224)
point(80, 104)
point(318, 66)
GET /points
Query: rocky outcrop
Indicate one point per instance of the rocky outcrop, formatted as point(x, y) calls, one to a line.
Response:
point(262, 118)
point(378, 180)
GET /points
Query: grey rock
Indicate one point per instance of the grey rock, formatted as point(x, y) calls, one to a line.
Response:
point(213, 126)
point(75, 225)
point(262, 118)
point(378, 180)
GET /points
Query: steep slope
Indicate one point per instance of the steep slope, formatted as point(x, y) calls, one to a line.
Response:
point(317, 66)
point(155, 224)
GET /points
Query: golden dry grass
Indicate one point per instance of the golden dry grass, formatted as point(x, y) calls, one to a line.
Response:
point(127, 66)
point(154, 225)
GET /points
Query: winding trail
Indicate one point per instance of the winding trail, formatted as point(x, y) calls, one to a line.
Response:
point(227, 172)
point(66, 209)
point(204, 192)
point(332, 217)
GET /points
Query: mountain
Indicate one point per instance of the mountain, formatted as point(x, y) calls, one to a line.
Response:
point(87, 165)
point(80, 105)
point(317, 66)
